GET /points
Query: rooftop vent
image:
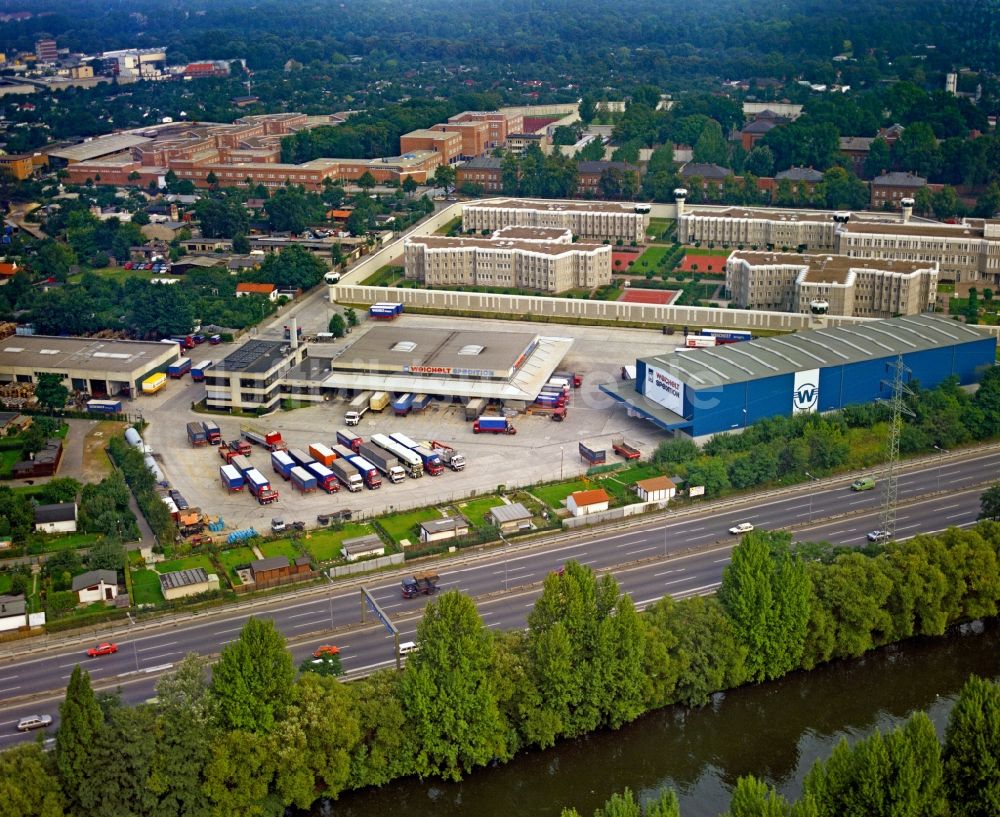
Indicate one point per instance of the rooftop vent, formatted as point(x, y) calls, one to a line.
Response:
point(471, 349)
point(404, 346)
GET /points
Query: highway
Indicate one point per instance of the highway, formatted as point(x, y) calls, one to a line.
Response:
point(679, 556)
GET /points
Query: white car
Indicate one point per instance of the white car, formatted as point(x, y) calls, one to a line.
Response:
point(743, 527)
point(34, 722)
point(878, 536)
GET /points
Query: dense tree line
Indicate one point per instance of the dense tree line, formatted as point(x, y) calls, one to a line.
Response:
point(780, 448)
point(257, 738)
point(143, 486)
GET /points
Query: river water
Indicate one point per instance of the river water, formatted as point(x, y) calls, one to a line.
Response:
point(774, 731)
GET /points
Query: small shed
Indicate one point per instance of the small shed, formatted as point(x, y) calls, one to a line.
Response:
point(655, 489)
point(362, 547)
point(451, 527)
point(180, 583)
point(271, 569)
point(583, 503)
point(96, 585)
point(58, 518)
point(510, 517)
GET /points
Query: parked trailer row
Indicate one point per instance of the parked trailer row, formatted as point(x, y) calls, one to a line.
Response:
point(212, 431)
point(179, 368)
point(232, 479)
point(196, 434)
point(411, 463)
point(346, 474)
point(198, 370)
point(389, 467)
point(303, 479)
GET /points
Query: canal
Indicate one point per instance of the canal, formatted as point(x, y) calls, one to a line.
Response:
point(774, 731)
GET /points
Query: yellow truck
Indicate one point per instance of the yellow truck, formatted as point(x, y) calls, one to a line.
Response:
point(153, 383)
point(378, 401)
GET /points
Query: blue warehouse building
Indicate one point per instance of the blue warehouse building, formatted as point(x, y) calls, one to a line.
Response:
point(705, 391)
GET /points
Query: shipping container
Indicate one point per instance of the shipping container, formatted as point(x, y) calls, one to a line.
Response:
point(474, 408)
point(402, 404)
point(231, 478)
point(199, 369)
point(104, 406)
point(179, 368)
point(420, 402)
point(385, 311)
point(321, 453)
point(153, 383)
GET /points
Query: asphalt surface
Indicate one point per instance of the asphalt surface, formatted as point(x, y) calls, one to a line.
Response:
point(681, 557)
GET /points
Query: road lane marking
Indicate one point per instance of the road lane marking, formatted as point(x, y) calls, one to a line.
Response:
point(303, 624)
point(675, 581)
point(307, 613)
point(9, 689)
point(667, 572)
point(645, 550)
point(703, 536)
point(959, 515)
point(718, 561)
point(157, 647)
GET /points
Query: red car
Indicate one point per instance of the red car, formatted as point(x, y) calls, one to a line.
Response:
point(326, 650)
point(107, 648)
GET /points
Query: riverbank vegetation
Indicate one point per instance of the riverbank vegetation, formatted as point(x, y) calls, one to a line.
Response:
point(258, 738)
point(903, 773)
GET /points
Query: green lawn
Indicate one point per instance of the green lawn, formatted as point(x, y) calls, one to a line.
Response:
point(7, 460)
point(237, 556)
point(404, 525)
point(324, 545)
point(650, 259)
point(475, 509)
point(119, 274)
point(279, 547)
point(187, 563)
point(146, 587)
point(554, 495)
point(451, 225)
point(384, 276)
point(617, 483)
point(6, 580)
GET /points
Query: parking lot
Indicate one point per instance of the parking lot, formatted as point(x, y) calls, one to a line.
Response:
point(542, 450)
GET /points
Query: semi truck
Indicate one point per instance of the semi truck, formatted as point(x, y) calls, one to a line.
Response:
point(493, 425)
point(212, 431)
point(369, 473)
point(325, 478)
point(387, 465)
point(227, 453)
point(231, 478)
point(196, 434)
point(241, 464)
point(420, 402)
point(402, 404)
point(260, 487)
point(593, 456)
point(449, 456)
point(403, 440)
point(153, 383)
point(321, 453)
point(357, 408)
point(199, 369)
point(430, 459)
point(271, 440)
point(623, 449)
point(423, 582)
point(282, 464)
point(179, 368)
point(347, 475)
point(572, 377)
point(104, 406)
point(349, 439)
point(303, 479)
point(474, 408)
point(411, 463)
point(241, 446)
point(378, 401)
point(385, 311)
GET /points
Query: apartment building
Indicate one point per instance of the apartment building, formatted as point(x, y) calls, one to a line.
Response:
point(524, 259)
point(601, 221)
point(485, 172)
point(891, 188)
point(756, 228)
point(830, 284)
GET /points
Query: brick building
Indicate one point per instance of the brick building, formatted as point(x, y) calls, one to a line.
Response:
point(589, 176)
point(485, 172)
point(890, 188)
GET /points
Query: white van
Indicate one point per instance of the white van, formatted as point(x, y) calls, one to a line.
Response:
point(406, 647)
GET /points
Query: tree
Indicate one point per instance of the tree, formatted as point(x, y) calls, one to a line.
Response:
point(972, 751)
point(122, 761)
point(366, 181)
point(28, 783)
point(447, 691)
point(107, 554)
point(989, 503)
point(759, 161)
point(80, 723)
point(945, 202)
point(444, 176)
point(50, 391)
point(711, 146)
point(241, 244)
point(55, 259)
point(917, 150)
point(409, 185)
point(352, 316)
point(252, 680)
point(593, 151)
point(754, 798)
point(878, 160)
point(211, 179)
point(336, 326)
point(766, 593)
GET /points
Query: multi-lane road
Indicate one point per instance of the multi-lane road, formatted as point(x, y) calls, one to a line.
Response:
point(680, 556)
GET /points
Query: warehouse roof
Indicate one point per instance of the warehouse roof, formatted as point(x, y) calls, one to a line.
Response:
point(815, 348)
point(45, 353)
point(103, 146)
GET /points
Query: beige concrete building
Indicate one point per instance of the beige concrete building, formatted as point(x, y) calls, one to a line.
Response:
point(532, 263)
point(830, 284)
point(757, 228)
point(600, 220)
point(251, 377)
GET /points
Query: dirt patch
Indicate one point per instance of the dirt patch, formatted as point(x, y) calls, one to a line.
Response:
point(648, 296)
point(96, 465)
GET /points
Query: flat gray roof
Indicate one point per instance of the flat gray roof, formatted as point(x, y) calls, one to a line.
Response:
point(812, 349)
point(822, 268)
point(556, 206)
point(102, 146)
point(514, 512)
point(46, 353)
point(541, 247)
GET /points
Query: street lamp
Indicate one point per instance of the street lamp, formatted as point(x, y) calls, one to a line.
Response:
point(330, 581)
point(943, 452)
point(814, 479)
point(505, 557)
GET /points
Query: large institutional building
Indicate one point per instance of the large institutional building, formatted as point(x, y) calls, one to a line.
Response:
point(523, 257)
point(601, 221)
point(830, 284)
point(969, 251)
